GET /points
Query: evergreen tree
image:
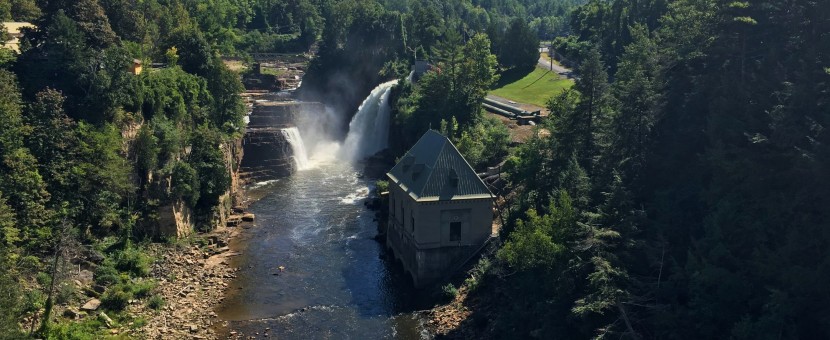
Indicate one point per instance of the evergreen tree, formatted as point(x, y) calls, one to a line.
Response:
point(590, 118)
point(520, 46)
point(19, 177)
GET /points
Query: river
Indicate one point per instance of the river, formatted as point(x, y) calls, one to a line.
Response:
point(337, 282)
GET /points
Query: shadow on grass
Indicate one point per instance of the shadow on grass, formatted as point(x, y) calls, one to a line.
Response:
point(537, 80)
point(511, 76)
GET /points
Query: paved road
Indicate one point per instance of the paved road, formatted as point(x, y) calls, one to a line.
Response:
point(561, 70)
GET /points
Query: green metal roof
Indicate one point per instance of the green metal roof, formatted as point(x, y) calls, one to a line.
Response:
point(433, 170)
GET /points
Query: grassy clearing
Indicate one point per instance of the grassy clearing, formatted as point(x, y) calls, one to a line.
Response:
point(530, 88)
point(274, 71)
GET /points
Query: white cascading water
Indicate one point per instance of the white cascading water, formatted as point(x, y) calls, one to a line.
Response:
point(369, 129)
point(292, 135)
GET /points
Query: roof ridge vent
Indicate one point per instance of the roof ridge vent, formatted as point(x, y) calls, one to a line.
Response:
point(453, 178)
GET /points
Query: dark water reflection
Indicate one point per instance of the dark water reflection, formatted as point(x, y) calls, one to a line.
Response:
point(337, 282)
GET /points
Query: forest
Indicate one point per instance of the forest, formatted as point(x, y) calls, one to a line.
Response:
point(677, 190)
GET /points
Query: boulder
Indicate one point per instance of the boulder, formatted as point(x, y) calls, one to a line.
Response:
point(91, 305)
point(106, 319)
point(71, 313)
point(94, 256)
point(248, 217)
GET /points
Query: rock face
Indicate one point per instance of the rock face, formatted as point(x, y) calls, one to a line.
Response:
point(268, 154)
point(175, 220)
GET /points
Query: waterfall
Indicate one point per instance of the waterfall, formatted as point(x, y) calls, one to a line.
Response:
point(369, 129)
point(292, 135)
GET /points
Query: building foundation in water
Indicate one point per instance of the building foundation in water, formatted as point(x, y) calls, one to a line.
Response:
point(440, 212)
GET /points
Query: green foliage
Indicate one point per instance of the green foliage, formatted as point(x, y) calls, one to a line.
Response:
point(43, 279)
point(539, 242)
point(53, 142)
point(133, 261)
point(103, 178)
point(115, 299)
point(207, 159)
point(67, 293)
point(155, 302)
point(117, 296)
point(146, 150)
point(106, 274)
point(69, 154)
point(677, 232)
point(20, 180)
point(5, 13)
point(86, 329)
point(381, 186)
point(455, 89)
point(11, 304)
point(520, 46)
point(449, 290)
point(143, 289)
point(9, 232)
point(185, 183)
point(485, 143)
point(24, 10)
point(476, 276)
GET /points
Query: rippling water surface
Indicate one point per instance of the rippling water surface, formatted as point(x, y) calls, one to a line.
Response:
point(337, 282)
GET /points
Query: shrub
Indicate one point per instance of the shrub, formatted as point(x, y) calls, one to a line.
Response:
point(43, 279)
point(33, 301)
point(381, 186)
point(115, 299)
point(142, 289)
point(138, 323)
point(83, 330)
point(66, 293)
point(477, 274)
point(155, 302)
point(450, 291)
point(133, 261)
point(106, 274)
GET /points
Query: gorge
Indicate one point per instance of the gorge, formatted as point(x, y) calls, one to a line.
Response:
point(310, 267)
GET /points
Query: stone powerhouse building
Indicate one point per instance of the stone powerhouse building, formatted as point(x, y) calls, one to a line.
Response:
point(440, 212)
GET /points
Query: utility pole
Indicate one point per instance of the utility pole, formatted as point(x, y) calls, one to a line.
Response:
point(550, 51)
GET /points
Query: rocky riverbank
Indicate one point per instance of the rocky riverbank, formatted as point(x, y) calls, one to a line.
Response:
point(192, 277)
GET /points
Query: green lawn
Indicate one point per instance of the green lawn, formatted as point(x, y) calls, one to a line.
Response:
point(533, 88)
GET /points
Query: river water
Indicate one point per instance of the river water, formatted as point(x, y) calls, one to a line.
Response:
point(337, 282)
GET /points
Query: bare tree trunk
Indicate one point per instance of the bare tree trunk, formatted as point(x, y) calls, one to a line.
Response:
point(47, 311)
point(627, 321)
point(65, 244)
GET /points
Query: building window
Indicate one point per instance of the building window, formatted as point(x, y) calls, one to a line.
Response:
point(403, 219)
point(455, 231)
point(412, 221)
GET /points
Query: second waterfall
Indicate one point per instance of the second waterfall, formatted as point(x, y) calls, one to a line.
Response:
point(292, 135)
point(369, 129)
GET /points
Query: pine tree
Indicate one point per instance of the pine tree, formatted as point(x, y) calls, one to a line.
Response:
point(589, 120)
point(635, 95)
